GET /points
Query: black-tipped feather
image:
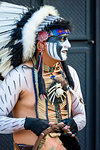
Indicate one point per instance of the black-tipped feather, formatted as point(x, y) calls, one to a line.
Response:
point(17, 55)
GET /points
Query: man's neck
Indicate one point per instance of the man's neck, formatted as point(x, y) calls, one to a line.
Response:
point(47, 60)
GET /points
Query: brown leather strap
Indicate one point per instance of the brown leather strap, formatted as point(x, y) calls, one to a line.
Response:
point(22, 147)
point(53, 128)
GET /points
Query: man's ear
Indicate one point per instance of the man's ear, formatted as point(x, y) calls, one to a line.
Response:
point(41, 46)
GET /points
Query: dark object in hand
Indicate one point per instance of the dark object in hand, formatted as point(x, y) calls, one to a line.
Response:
point(69, 142)
point(36, 125)
point(70, 122)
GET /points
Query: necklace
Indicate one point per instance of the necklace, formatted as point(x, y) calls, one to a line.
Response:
point(51, 70)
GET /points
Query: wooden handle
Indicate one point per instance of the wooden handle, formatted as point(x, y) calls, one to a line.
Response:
point(53, 128)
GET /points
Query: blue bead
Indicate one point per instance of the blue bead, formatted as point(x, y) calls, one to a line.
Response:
point(53, 76)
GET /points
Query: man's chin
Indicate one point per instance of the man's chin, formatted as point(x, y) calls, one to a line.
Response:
point(64, 58)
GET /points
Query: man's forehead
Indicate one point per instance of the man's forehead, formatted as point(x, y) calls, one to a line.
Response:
point(56, 38)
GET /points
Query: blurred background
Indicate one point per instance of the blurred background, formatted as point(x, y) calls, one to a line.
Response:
point(84, 56)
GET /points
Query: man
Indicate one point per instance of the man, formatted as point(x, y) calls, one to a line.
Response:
point(39, 88)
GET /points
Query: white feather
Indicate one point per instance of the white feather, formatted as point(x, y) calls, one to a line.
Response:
point(13, 8)
point(9, 14)
point(5, 28)
point(7, 70)
point(5, 65)
point(4, 53)
point(4, 42)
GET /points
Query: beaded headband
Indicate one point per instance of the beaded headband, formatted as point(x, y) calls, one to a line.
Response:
point(44, 35)
point(57, 32)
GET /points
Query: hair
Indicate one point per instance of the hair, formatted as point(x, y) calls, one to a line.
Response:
point(60, 24)
point(68, 74)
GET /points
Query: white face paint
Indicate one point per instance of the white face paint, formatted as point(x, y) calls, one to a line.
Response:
point(57, 47)
point(65, 46)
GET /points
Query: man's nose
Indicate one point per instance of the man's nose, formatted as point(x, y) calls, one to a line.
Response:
point(67, 44)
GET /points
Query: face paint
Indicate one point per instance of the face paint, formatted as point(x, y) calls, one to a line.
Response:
point(57, 47)
point(64, 49)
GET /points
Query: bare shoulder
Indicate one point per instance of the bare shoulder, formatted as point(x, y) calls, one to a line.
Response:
point(25, 68)
point(29, 64)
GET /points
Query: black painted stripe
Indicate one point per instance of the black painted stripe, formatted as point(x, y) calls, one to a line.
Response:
point(26, 80)
point(9, 90)
point(22, 124)
point(14, 84)
point(16, 69)
point(14, 122)
point(7, 109)
point(74, 100)
point(1, 120)
point(5, 97)
point(23, 69)
point(5, 81)
point(2, 88)
point(1, 109)
point(11, 103)
point(4, 129)
point(22, 120)
point(6, 124)
point(7, 120)
point(9, 74)
point(2, 99)
point(19, 81)
point(15, 125)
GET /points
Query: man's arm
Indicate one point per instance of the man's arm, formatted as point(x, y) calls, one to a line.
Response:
point(78, 108)
point(9, 93)
point(14, 83)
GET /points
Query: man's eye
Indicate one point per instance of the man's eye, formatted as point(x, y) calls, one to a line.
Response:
point(63, 39)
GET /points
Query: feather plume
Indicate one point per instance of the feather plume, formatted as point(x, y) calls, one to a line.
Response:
point(10, 14)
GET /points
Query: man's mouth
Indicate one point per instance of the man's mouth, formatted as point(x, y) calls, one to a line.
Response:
point(64, 51)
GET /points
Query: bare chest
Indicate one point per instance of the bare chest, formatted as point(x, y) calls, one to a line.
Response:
point(25, 105)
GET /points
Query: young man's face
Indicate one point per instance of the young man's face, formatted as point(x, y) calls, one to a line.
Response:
point(57, 47)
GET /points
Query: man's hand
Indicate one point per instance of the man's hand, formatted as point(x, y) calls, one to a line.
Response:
point(57, 127)
point(70, 127)
point(36, 125)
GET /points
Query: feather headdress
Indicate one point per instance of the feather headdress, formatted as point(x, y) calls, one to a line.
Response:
point(19, 27)
point(18, 30)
